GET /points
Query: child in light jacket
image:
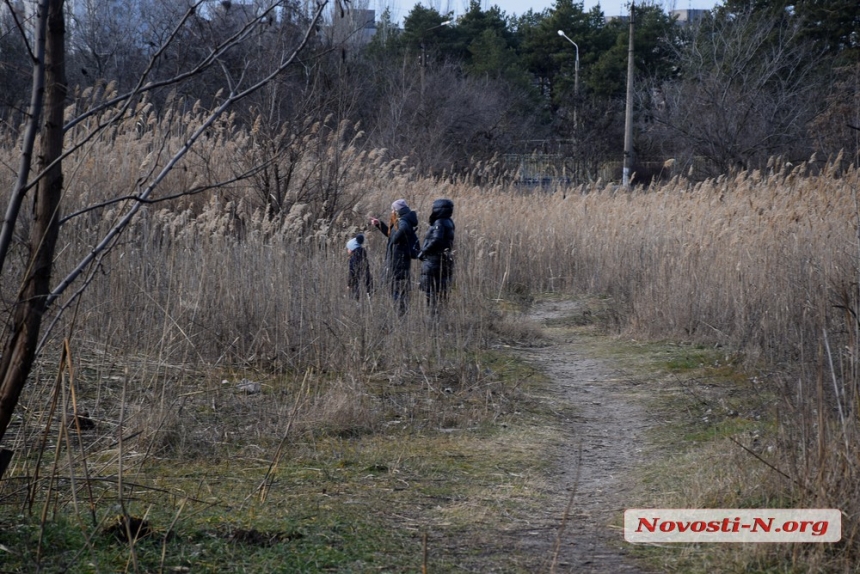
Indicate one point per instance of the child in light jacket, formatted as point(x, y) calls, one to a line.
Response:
point(359, 268)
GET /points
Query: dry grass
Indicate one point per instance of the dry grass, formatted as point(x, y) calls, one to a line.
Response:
point(229, 281)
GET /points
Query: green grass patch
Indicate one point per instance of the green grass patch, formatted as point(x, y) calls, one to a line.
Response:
point(715, 420)
point(333, 504)
point(453, 457)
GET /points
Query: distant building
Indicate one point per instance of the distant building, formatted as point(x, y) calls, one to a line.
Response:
point(684, 17)
point(623, 19)
point(690, 16)
point(353, 28)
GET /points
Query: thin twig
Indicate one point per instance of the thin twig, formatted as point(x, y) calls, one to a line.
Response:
point(167, 535)
point(567, 510)
point(269, 478)
point(44, 517)
point(125, 514)
point(186, 193)
point(772, 467)
point(25, 37)
point(32, 498)
point(80, 434)
point(836, 392)
point(134, 485)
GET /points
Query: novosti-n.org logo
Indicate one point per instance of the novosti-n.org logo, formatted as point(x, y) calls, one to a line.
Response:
point(660, 525)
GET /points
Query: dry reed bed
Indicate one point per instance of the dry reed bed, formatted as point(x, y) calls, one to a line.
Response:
point(755, 262)
point(750, 261)
point(754, 266)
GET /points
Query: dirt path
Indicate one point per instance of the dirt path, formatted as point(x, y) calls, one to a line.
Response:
point(607, 429)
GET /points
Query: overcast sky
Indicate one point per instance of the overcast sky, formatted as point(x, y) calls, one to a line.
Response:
point(400, 8)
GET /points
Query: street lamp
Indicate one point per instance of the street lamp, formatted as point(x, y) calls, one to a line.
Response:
point(576, 68)
point(424, 55)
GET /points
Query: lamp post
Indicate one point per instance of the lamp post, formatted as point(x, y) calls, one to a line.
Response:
point(628, 115)
point(575, 79)
point(423, 60)
point(576, 67)
point(424, 55)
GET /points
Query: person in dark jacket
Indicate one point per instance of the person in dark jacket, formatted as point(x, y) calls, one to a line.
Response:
point(437, 268)
point(400, 251)
point(359, 268)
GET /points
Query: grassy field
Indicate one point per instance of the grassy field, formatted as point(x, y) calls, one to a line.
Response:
point(339, 490)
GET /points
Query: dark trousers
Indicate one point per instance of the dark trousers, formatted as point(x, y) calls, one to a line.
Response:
point(400, 294)
point(435, 283)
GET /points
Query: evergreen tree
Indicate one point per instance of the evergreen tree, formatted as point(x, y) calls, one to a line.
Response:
point(654, 33)
point(833, 26)
point(426, 34)
point(387, 39)
point(474, 23)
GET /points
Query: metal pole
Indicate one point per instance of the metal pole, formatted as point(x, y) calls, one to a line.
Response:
point(628, 116)
point(575, 77)
point(576, 67)
point(423, 62)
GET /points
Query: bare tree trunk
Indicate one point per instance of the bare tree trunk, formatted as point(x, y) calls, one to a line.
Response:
point(21, 341)
point(37, 95)
point(20, 347)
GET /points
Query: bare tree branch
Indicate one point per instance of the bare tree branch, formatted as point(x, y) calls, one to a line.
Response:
point(141, 89)
point(193, 191)
point(18, 25)
point(231, 99)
